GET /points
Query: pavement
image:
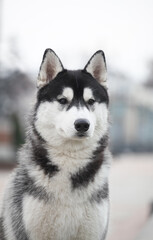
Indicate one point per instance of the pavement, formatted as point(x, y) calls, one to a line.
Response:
point(131, 197)
point(147, 232)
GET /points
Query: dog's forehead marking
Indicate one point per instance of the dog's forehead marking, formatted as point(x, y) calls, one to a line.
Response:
point(68, 93)
point(87, 94)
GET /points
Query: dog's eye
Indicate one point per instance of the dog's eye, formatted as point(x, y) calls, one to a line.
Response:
point(62, 101)
point(91, 101)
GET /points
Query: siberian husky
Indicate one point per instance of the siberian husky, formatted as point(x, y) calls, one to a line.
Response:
point(59, 191)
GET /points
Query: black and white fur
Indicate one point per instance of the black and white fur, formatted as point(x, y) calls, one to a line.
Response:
point(59, 190)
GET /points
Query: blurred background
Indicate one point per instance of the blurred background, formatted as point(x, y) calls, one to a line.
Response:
point(75, 29)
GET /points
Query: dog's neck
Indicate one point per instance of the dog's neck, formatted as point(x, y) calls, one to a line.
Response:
point(72, 148)
point(51, 160)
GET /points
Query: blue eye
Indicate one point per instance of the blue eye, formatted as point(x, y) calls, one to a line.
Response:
point(91, 102)
point(62, 101)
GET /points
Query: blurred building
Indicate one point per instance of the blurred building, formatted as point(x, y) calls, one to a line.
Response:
point(131, 110)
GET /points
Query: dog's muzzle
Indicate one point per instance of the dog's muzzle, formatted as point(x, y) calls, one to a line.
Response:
point(81, 125)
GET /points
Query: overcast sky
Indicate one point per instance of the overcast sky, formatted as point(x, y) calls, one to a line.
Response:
point(75, 29)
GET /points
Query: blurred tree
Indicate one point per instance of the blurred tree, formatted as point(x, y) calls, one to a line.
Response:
point(16, 90)
point(18, 134)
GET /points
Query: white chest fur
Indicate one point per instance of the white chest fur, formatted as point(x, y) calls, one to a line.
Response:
point(53, 221)
point(69, 214)
point(59, 187)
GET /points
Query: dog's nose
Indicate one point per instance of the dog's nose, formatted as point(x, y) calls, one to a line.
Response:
point(81, 125)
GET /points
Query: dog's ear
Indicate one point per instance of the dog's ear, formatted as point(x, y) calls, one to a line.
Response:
point(51, 65)
point(97, 67)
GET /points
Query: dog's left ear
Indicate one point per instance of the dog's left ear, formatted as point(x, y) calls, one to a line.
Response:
point(97, 67)
point(51, 65)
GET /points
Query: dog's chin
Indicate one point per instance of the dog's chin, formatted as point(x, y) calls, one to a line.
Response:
point(81, 136)
point(76, 136)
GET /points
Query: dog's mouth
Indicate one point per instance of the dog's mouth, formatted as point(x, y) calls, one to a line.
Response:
point(81, 135)
point(76, 136)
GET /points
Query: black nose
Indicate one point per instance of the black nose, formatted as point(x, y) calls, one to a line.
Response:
point(81, 125)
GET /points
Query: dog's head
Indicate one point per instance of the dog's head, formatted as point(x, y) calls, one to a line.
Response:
point(71, 105)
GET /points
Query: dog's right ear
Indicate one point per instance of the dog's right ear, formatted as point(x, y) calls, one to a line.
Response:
point(51, 65)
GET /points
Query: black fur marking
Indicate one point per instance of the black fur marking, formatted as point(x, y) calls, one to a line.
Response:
point(77, 80)
point(40, 157)
point(2, 235)
point(37, 133)
point(23, 185)
point(86, 175)
point(103, 143)
point(101, 194)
